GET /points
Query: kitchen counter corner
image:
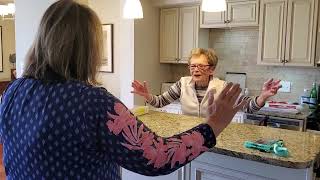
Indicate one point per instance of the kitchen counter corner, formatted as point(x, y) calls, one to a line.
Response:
point(304, 147)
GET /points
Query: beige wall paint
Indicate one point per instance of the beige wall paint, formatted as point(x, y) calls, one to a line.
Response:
point(8, 47)
point(146, 51)
point(318, 48)
point(26, 26)
point(110, 15)
point(119, 82)
point(318, 39)
point(237, 51)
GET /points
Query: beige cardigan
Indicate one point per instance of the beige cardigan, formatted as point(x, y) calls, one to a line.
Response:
point(188, 97)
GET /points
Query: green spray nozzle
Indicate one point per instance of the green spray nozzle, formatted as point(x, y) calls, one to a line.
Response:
point(275, 147)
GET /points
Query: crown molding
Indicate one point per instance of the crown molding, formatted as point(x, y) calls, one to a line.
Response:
point(164, 3)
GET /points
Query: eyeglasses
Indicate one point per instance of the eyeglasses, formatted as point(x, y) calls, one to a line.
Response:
point(199, 66)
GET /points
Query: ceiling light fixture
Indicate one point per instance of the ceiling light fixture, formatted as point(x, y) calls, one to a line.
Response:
point(132, 9)
point(213, 5)
point(4, 10)
point(7, 10)
point(11, 8)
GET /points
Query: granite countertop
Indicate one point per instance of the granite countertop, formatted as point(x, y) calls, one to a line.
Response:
point(304, 147)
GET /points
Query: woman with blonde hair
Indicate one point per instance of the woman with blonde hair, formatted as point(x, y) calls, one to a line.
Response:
point(193, 91)
point(56, 124)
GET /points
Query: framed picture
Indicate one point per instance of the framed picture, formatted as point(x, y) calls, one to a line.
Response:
point(107, 58)
point(1, 51)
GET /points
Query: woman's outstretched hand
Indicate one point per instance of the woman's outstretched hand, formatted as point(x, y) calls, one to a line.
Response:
point(269, 89)
point(222, 109)
point(141, 89)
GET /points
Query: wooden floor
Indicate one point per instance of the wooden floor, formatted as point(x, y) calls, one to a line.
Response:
point(2, 173)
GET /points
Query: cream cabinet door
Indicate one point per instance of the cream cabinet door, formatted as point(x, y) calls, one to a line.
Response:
point(239, 13)
point(301, 33)
point(272, 29)
point(243, 13)
point(188, 31)
point(169, 35)
point(212, 20)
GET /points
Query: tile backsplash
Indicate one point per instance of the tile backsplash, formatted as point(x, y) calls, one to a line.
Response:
point(237, 51)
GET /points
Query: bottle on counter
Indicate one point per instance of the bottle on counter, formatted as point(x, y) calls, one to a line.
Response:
point(313, 96)
point(305, 97)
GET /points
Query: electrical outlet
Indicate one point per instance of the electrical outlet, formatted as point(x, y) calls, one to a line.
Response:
point(286, 86)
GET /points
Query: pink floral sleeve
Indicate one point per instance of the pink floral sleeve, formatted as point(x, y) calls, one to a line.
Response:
point(135, 147)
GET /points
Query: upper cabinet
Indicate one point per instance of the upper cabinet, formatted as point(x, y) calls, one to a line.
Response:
point(179, 33)
point(188, 31)
point(169, 35)
point(318, 40)
point(287, 32)
point(238, 13)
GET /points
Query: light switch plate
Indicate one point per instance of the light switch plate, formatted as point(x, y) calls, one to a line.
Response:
point(286, 86)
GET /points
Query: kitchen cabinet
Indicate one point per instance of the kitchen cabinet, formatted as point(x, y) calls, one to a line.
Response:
point(287, 32)
point(238, 13)
point(128, 175)
point(229, 159)
point(179, 33)
point(169, 35)
point(212, 166)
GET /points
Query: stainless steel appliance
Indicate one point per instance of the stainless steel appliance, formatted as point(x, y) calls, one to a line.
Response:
point(275, 122)
point(313, 121)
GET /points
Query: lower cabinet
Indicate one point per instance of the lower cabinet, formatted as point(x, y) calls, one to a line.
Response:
point(212, 166)
point(204, 171)
point(128, 175)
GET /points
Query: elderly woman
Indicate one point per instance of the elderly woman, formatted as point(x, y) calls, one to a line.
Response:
point(192, 91)
point(55, 123)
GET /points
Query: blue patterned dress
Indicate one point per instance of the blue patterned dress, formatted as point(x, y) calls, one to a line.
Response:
point(70, 130)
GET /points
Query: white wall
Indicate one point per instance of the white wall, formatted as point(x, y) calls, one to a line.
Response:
point(28, 16)
point(146, 51)
point(8, 47)
point(27, 19)
point(119, 82)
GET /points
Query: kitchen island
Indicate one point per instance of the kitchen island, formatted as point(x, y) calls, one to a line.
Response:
point(229, 159)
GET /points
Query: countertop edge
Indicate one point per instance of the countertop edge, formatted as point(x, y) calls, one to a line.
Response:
point(265, 160)
point(228, 142)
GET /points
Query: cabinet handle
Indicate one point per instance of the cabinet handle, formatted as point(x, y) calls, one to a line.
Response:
point(286, 61)
point(228, 21)
point(282, 61)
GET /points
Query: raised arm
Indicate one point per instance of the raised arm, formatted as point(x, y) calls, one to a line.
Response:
point(269, 89)
point(164, 99)
point(126, 141)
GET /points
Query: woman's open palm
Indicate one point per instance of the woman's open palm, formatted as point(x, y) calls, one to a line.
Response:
point(222, 109)
point(270, 88)
point(140, 89)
